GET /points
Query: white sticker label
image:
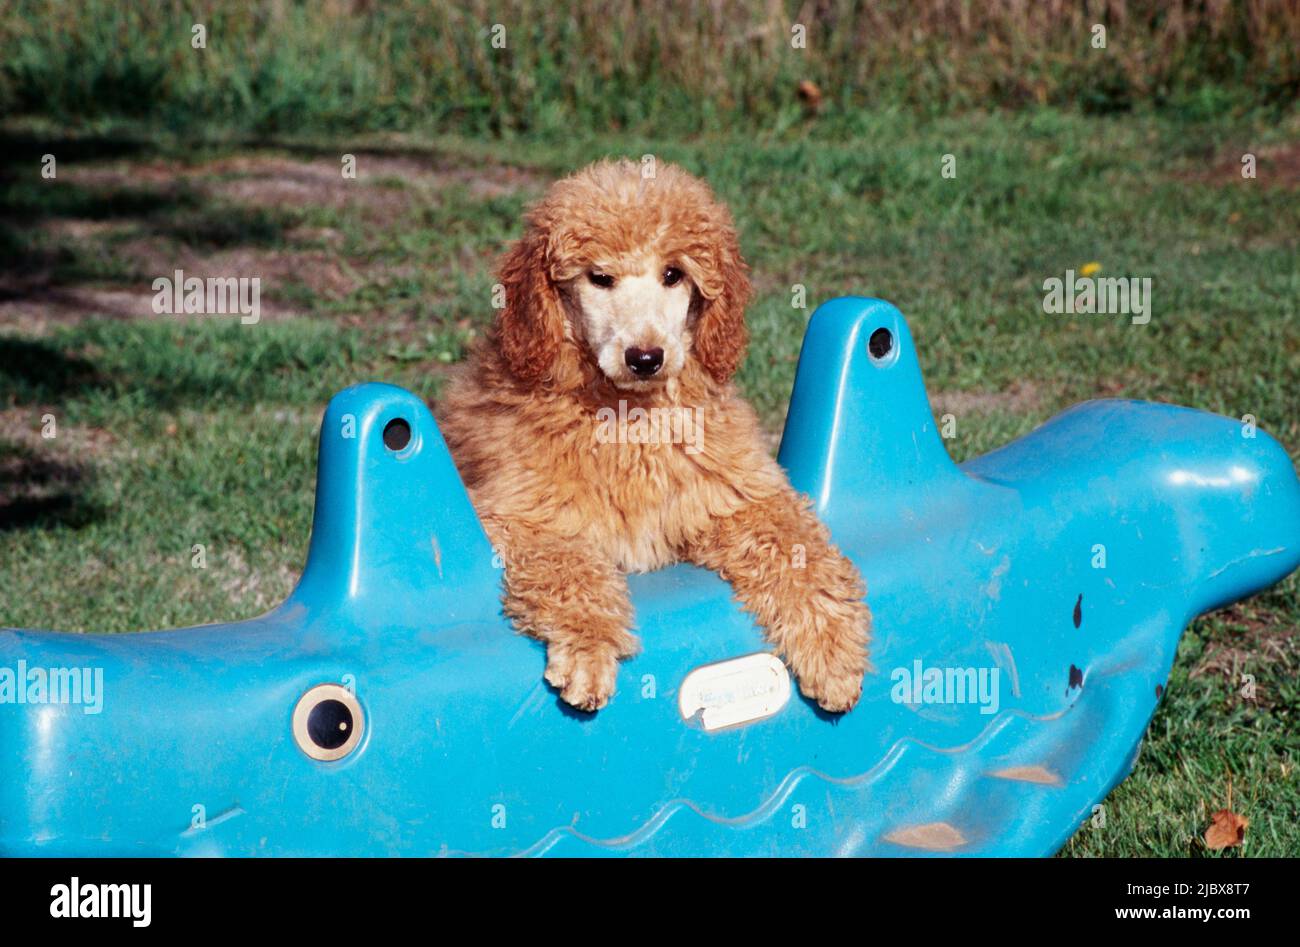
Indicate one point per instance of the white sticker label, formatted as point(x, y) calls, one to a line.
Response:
point(734, 692)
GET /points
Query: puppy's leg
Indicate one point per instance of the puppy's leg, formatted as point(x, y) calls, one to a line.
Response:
point(804, 593)
point(560, 593)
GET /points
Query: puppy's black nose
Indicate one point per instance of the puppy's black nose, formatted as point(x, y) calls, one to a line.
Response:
point(644, 362)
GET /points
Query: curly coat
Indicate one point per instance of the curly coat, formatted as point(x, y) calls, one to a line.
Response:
point(571, 513)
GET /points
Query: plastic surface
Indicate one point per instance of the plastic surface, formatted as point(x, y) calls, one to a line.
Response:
point(466, 750)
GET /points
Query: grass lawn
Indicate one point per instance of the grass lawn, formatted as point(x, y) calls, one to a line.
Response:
point(175, 432)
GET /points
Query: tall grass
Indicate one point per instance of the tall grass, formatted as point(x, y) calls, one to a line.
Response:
point(676, 67)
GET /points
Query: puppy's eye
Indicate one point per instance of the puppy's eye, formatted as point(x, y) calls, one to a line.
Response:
point(672, 276)
point(603, 280)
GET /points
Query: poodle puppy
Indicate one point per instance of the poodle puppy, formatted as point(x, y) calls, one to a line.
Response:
point(598, 433)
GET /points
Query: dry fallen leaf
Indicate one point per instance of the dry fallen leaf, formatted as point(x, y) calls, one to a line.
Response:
point(1227, 829)
point(810, 95)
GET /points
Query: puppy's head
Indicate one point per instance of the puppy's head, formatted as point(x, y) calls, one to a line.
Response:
point(631, 269)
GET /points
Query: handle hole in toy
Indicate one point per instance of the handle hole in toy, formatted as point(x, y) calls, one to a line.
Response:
point(328, 722)
point(881, 344)
point(397, 434)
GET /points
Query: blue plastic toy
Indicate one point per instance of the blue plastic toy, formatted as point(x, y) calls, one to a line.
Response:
point(388, 708)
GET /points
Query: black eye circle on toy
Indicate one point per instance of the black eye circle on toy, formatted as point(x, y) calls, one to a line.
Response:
point(328, 722)
point(880, 344)
point(397, 434)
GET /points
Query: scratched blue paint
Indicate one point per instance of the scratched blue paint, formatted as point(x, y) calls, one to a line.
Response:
point(467, 751)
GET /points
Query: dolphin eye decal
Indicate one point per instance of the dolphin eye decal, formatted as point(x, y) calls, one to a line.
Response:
point(328, 722)
point(397, 434)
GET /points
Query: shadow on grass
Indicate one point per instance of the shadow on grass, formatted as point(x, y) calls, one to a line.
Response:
point(36, 372)
point(428, 156)
point(174, 211)
point(39, 492)
point(27, 198)
point(55, 261)
point(162, 366)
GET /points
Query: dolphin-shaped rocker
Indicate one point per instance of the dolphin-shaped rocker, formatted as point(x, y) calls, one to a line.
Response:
point(1027, 607)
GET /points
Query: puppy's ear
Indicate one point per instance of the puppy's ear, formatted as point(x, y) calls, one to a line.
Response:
point(530, 329)
point(720, 334)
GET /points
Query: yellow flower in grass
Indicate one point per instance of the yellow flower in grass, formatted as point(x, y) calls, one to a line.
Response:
point(1090, 269)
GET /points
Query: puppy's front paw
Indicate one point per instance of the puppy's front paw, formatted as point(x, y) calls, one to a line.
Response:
point(830, 668)
point(835, 693)
point(585, 678)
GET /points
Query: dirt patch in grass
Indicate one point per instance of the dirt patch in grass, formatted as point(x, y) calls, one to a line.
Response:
point(380, 187)
point(38, 309)
point(313, 265)
point(46, 481)
point(259, 589)
point(1252, 639)
point(22, 427)
point(1276, 166)
point(36, 302)
point(1018, 399)
point(319, 271)
point(78, 228)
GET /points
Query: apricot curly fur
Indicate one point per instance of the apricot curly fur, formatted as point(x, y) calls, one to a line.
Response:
point(571, 514)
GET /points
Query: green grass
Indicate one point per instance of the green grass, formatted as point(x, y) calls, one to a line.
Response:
point(1205, 734)
point(174, 433)
point(538, 67)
